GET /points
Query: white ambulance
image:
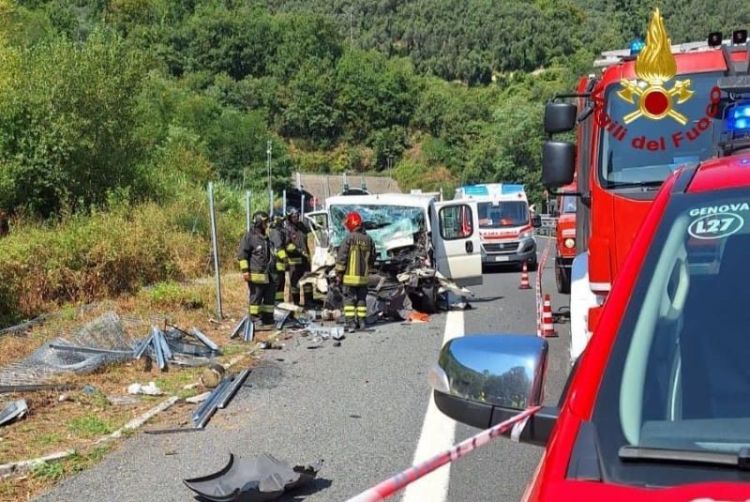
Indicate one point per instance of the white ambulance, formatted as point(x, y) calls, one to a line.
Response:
point(506, 224)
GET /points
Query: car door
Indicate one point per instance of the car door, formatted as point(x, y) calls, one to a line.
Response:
point(455, 241)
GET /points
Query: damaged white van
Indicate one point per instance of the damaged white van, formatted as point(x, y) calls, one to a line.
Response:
point(430, 246)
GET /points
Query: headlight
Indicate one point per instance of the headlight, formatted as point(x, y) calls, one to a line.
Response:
point(526, 235)
point(570, 243)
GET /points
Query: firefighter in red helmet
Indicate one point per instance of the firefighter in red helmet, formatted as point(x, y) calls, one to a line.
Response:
point(354, 259)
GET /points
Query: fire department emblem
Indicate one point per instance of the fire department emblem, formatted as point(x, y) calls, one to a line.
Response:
point(654, 67)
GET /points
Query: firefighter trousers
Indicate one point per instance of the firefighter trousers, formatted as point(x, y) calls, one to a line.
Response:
point(261, 302)
point(355, 305)
point(295, 274)
point(279, 282)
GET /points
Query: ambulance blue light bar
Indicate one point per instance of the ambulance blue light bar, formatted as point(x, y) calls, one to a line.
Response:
point(476, 190)
point(511, 189)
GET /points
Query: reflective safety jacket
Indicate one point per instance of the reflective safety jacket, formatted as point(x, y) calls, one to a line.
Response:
point(277, 236)
point(255, 256)
point(296, 243)
point(355, 257)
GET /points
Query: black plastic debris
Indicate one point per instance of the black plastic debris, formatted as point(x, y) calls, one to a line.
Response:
point(255, 479)
point(13, 411)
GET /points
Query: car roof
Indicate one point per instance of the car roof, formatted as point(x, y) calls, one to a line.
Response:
point(722, 173)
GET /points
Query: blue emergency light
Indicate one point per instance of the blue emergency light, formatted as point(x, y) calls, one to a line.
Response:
point(636, 46)
point(740, 118)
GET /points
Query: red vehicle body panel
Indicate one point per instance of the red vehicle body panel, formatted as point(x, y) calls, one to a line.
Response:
point(549, 482)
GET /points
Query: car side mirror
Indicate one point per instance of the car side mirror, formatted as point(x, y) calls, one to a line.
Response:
point(536, 221)
point(558, 163)
point(482, 380)
point(559, 117)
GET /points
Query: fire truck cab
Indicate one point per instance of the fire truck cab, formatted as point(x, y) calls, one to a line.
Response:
point(506, 223)
point(565, 237)
point(653, 109)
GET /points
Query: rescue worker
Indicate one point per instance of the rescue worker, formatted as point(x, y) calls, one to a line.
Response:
point(279, 264)
point(354, 259)
point(255, 259)
point(298, 255)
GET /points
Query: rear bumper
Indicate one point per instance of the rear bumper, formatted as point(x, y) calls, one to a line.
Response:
point(525, 250)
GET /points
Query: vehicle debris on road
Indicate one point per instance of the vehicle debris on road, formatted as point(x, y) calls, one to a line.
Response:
point(219, 398)
point(255, 479)
point(15, 410)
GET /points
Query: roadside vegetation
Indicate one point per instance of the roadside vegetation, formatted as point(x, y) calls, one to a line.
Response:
point(115, 114)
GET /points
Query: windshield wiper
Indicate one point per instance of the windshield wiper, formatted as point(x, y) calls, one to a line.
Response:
point(635, 184)
point(739, 460)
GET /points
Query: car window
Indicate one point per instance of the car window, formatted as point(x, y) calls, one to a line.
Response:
point(679, 374)
point(455, 222)
point(503, 214)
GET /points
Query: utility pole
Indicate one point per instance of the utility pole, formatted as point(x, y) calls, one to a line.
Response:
point(269, 150)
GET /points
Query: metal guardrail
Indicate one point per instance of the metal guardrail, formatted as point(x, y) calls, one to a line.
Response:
point(549, 224)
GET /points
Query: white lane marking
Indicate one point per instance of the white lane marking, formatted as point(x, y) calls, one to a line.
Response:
point(438, 434)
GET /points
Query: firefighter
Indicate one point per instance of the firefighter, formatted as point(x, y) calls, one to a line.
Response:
point(279, 265)
point(255, 260)
point(355, 257)
point(297, 254)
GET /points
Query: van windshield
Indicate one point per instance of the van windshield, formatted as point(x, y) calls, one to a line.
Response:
point(503, 214)
point(389, 226)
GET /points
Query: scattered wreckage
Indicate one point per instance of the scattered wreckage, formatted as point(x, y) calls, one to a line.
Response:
point(425, 250)
point(253, 479)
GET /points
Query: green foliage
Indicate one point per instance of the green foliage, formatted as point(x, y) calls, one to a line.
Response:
point(84, 258)
point(89, 426)
point(116, 113)
point(48, 471)
point(67, 122)
point(171, 294)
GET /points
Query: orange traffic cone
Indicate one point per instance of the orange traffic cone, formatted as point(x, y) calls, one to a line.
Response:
point(548, 326)
point(524, 278)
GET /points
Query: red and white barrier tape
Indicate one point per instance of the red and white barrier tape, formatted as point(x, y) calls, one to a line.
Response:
point(539, 270)
point(391, 486)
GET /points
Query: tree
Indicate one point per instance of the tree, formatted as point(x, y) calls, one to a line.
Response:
point(67, 125)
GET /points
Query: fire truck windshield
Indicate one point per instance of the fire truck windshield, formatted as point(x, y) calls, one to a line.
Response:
point(504, 214)
point(645, 150)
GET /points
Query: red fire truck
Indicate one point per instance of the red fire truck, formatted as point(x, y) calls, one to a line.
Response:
point(652, 110)
point(565, 237)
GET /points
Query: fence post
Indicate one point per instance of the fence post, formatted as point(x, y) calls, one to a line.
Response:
point(283, 202)
point(215, 249)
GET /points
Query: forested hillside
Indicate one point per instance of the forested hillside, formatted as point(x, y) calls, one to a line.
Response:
point(111, 104)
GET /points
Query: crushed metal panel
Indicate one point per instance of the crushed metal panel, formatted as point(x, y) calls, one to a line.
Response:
point(13, 411)
point(204, 339)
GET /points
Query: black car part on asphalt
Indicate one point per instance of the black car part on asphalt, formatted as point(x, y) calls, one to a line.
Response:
point(256, 479)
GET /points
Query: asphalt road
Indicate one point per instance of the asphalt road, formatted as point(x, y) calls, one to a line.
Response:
point(359, 407)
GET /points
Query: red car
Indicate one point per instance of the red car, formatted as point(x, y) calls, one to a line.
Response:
point(658, 405)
